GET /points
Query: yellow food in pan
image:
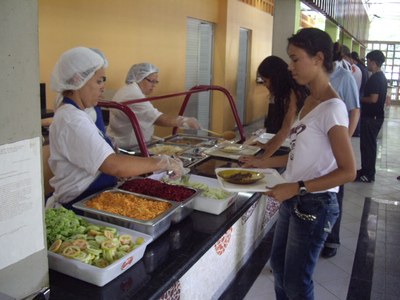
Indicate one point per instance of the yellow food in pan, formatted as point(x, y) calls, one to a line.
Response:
point(128, 205)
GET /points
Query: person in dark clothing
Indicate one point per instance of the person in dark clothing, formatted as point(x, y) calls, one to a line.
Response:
point(364, 78)
point(364, 71)
point(372, 115)
point(281, 86)
point(286, 98)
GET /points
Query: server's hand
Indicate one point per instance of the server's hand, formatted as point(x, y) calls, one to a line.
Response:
point(172, 165)
point(188, 123)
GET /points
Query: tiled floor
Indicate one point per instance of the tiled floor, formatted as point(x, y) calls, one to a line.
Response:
point(381, 222)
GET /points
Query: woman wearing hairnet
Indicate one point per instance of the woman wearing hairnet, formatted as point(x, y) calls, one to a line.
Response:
point(82, 157)
point(140, 83)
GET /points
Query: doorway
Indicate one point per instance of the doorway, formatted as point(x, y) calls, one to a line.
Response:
point(242, 72)
point(199, 47)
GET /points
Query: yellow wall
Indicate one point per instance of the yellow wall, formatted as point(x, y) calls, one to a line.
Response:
point(132, 31)
point(260, 24)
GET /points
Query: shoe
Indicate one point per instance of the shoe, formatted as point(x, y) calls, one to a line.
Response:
point(328, 252)
point(398, 177)
point(364, 178)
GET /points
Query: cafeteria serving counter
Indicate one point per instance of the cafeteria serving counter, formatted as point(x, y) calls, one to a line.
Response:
point(195, 258)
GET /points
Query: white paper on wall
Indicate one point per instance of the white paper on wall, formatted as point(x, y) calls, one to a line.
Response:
point(21, 206)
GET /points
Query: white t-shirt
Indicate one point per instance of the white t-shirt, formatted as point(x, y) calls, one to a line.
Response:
point(311, 154)
point(77, 150)
point(357, 74)
point(355, 71)
point(120, 127)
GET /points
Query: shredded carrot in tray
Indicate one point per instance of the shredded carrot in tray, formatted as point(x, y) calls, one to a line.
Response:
point(128, 205)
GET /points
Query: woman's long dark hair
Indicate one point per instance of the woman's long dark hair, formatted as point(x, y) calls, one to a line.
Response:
point(281, 85)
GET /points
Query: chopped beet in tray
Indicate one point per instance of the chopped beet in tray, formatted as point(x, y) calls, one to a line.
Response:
point(155, 188)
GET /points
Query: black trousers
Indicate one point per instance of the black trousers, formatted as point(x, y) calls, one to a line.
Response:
point(369, 130)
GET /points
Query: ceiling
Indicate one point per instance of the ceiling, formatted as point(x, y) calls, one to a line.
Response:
point(383, 9)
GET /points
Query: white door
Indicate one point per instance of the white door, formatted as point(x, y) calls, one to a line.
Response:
point(199, 67)
point(242, 72)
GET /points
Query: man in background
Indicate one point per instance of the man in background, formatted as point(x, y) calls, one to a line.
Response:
point(364, 72)
point(372, 115)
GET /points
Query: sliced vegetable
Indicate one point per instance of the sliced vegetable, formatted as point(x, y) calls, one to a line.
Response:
point(125, 239)
point(208, 192)
point(108, 234)
point(81, 243)
point(56, 245)
point(139, 240)
point(101, 263)
point(71, 251)
point(75, 238)
point(109, 245)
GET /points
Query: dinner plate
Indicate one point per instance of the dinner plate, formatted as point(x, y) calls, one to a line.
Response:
point(271, 178)
point(240, 176)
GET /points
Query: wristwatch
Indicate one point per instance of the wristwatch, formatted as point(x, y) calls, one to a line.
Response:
point(302, 188)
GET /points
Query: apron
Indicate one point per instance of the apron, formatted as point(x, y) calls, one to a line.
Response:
point(103, 180)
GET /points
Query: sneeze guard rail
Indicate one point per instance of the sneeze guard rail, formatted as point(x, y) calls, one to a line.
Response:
point(123, 106)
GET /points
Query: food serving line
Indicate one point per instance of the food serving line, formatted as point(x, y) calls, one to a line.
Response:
point(123, 106)
point(193, 249)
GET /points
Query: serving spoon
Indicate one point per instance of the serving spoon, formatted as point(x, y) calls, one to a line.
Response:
point(226, 135)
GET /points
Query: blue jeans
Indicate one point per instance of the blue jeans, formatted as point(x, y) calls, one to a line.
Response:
point(333, 239)
point(300, 232)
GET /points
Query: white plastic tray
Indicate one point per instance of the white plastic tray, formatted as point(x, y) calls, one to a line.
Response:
point(210, 205)
point(201, 203)
point(95, 275)
point(272, 178)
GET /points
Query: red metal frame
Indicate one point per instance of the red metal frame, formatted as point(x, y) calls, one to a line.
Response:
point(123, 106)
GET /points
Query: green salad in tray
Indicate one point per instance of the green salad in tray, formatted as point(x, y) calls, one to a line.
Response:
point(208, 192)
point(73, 237)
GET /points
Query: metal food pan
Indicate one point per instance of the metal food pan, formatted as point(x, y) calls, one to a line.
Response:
point(210, 143)
point(196, 152)
point(154, 227)
point(185, 207)
point(166, 145)
point(189, 140)
point(189, 161)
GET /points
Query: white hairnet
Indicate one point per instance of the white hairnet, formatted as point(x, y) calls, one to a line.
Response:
point(74, 68)
point(139, 72)
point(99, 52)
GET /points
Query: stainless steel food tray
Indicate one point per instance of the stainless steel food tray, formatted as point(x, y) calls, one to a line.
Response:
point(154, 227)
point(184, 207)
point(162, 145)
point(191, 140)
